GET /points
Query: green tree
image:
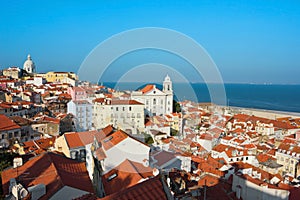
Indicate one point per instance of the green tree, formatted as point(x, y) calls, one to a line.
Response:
point(176, 107)
point(174, 132)
point(148, 139)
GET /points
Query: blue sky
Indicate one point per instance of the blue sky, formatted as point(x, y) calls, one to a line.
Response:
point(250, 41)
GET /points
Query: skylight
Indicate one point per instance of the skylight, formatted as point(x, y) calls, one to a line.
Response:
point(108, 139)
point(111, 177)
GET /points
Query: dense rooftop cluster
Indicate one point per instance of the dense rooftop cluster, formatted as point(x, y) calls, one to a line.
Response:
point(77, 140)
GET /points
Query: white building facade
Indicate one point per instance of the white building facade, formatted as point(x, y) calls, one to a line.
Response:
point(83, 112)
point(156, 102)
point(127, 115)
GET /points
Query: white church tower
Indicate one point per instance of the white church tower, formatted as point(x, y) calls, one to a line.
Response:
point(167, 89)
point(29, 65)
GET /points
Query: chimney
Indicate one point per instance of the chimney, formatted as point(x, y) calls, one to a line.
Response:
point(155, 172)
point(17, 162)
point(12, 183)
point(19, 191)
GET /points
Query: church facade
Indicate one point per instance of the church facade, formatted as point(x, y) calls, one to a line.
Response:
point(156, 101)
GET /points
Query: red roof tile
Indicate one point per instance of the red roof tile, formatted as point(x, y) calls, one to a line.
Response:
point(163, 157)
point(125, 175)
point(53, 170)
point(147, 88)
point(7, 124)
point(150, 189)
point(113, 139)
point(73, 140)
point(45, 143)
point(99, 153)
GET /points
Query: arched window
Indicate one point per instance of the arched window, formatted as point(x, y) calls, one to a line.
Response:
point(154, 101)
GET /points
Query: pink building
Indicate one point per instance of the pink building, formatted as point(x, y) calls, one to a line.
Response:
point(77, 93)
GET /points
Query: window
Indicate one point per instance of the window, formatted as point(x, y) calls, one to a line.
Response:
point(129, 108)
point(154, 101)
point(147, 102)
point(74, 155)
point(16, 134)
point(123, 108)
point(117, 108)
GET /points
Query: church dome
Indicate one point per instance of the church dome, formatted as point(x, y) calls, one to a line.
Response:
point(29, 65)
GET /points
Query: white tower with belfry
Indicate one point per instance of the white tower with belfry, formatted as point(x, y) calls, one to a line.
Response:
point(168, 90)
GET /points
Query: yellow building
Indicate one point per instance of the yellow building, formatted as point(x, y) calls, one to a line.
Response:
point(58, 77)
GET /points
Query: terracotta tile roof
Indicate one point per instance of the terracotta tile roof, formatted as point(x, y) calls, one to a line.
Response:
point(206, 136)
point(20, 120)
point(264, 158)
point(50, 119)
point(100, 154)
point(99, 100)
point(113, 139)
point(107, 130)
point(53, 170)
point(151, 189)
point(65, 95)
point(125, 175)
point(45, 143)
point(220, 148)
point(208, 180)
point(227, 138)
point(88, 137)
point(80, 139)
point(249, 146)
point(7, 124)
point(29, 146)
point(211, 165)
point(73, 140)
point(125, 102)
point(163, 157)
point(147, 88)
